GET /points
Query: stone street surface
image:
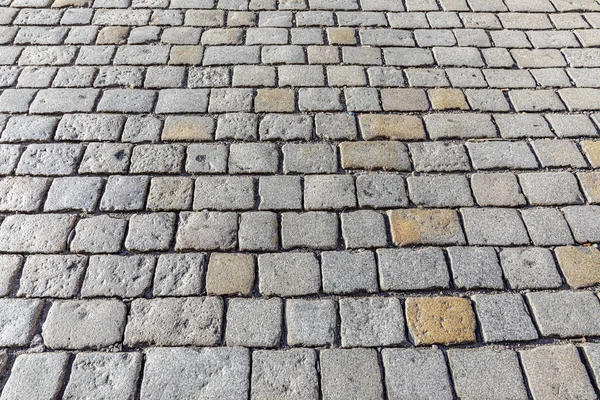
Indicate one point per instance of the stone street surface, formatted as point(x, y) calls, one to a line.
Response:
point(300, 199)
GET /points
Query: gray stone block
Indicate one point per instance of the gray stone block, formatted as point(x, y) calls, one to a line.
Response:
point(381, 191)
point(118, 275)
point(412, 269)
point(150, 232)
point(254, 322)
point(74, 193)
point(179, 274)
point(440, 191)
point(349, 272)
point(76, 324)
point(315, 230)
point(504, 317)
point(348, 373)
point(372, 322)
point(224, 193)
point(329, 192)
point(583, 222)
point(547, 226)
point(10, 266)
point(36, 376)
point(310, 322)
point(99, 234)
point(206, 231)
point(170, 193)
point(500, 190)
point(530, 268)
point(494, 227)
point(280, 193)
point(288, 274)
point(19, 321)
point(124, 193)
point(363, 229)
point(412, 373)
point(258, 231)
point(51, 276)
point(23, 194)
point(191, 321)
point(475, 267)
point(39, 233)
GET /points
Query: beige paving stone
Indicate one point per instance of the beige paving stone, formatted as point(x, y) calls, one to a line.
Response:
point(388, 156)
point(341, 36)
point(580, 265)
point(590, 183)
point(230, 274)
point(275, 100)
point(447, 99)
point(391, 126)
point(415, 227)
point(197, 129)
point(592, 151)
point(112, 35)
point(186, 55)
point(440, 320)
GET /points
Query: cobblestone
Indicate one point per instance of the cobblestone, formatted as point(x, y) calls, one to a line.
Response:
point(283, 199)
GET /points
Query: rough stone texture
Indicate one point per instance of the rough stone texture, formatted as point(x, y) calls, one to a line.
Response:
point(206, 372)
point(310, 322)
point(412, 373)
point(19, 318)
point(579, 265)
point(230, 274)
point(81, 324)
point(115, 275)
point(175, 322)
point(556, 372)
point(51, 276)
point(440, 320)
point(504, 317)
point(412, 269)
point(347, 373)
point(41, 233)
point(288, 274)
point(178, 274)
point(36, 376)
point(254, 322)
point(371, 322)
point(435, 227)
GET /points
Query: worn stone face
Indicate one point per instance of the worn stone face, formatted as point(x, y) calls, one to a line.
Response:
point(440, 320)
point(230, 274)
point(580, 265)
point(439, 227)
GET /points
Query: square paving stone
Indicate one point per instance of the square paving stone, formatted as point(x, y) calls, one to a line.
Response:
point(101, 375)
point(224, 193)
point(556, 372)
point(529, 268)
point(40, 233)
point(412, 269)
point(582, 220)
point(118, 275)
point(416, 373)
point(230, 274)
point(99, 234)
point(350, 373)
point(475, 267)
point(280, 193)
point(150, 232)
point(494, 227)
point(310, 322)
point(22, 193)
point(124, 193)
point(566, 314)
point(425, 227)
point(363, 229)
point(499, 190)
point(440, 191)
point(187, 321)
point(381, 191)
point(580, 265)
point(487, 373)
point(551, 188)
point(547, 226)
point(206, 231)
point(254, 322)
point(288, 274)
point(205, 372)
point(284, 374)
point(10, 266)
point(179, 274)
point(74, 193)
point(258, 231)
point(105, 158)
point(440, 320)
point(51, 276)
point(371, 322)
point(170, 193)
point(329, 192)
point(81, 324)
point(349, 272)
point(36, 376)
point(504, 317)
point(18, 321)
point(313, 230)
point(49, 159)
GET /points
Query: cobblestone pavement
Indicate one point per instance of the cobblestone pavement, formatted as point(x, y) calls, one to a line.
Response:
point(300, 199)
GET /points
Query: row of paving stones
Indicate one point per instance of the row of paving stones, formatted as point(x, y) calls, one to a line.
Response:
point(311, 193)
point(547, 372)
point(314, 99)
point(259, 231)
point(259, 322)
point(464, 37)
point(478, 95)
point(147, 55)
point(298, 273)
point(365, 5)
point(326, 127)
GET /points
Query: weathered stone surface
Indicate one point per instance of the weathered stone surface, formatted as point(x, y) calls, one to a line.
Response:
point(175, 322)
point(414, 227)
point(18, 321)
point(580, 265)
point(206, 231)
point(206, 372)
point(51, 276)
point(347, 373)
point(178, 274)
point(82, 324)
point(230, 274)
point(440, 320)
point(40, 233)
point(254, 322)
point(371, 322)
point(310, 322)
point(36, 376)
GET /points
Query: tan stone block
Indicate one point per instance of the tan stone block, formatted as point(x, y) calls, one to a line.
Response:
point(592, 151)
point(71, 3)
point(580, 265)
point(404, 100)
point(275, 100)
point(186, 55)
point(590, 182)
point(390, 126)
point(188, 128)
point(113, 35)
point(440, 320)
point(416, 226)
point(230, 274)
point(447, 99)
point(389, 156)
point(341, 35)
